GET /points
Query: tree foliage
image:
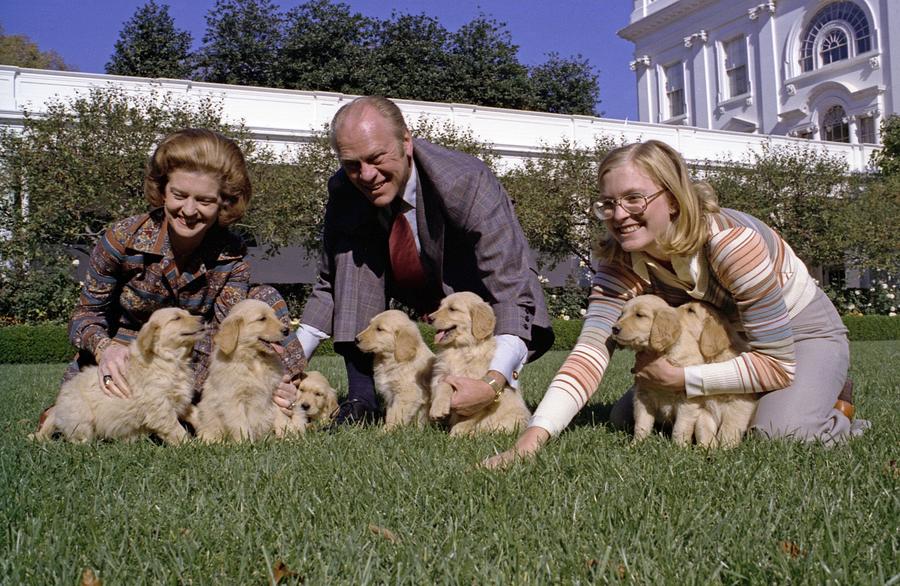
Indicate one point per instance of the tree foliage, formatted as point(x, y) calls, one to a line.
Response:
point(242, 43)
point(149, 45)
point(325, 47)
point(553, 194)
point(21, 51)
point(484, 67)
point(798, 191)
point(873, 223)
point(71, 172)
point(887, 159)
point(565, 86)
point(409, 59)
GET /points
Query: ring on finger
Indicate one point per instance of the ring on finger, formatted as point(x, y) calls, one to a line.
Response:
point(291, 406)
point(107, 379)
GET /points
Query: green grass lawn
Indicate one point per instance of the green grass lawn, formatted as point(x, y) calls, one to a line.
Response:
point(361, 506)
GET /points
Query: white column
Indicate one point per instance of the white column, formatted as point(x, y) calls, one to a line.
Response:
point(767, 72)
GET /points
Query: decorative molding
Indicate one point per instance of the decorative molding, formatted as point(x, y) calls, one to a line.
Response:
point(642, 60)
point(754, 12)
point(791, 89)
point(812, 129)
point(874, 62)
point(701, 36)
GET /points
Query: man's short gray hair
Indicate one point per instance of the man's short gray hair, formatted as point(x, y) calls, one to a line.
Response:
point(388, 110)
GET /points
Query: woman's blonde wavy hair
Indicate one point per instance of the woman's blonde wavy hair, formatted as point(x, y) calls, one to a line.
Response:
point(204, 151)
point(693, 200)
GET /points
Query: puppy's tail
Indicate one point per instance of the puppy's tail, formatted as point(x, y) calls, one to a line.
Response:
point(46, 425)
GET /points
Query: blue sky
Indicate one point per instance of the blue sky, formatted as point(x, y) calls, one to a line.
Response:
point(84, 31)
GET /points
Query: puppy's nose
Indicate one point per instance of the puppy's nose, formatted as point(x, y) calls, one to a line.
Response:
point(616, 330)
point(357, 339)
point(305, 406)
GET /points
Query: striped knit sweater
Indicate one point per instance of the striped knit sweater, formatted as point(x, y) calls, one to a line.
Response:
point(745, 269)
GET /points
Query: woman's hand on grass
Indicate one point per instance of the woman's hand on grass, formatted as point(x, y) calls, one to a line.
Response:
point(113, 363)
point(526, 446)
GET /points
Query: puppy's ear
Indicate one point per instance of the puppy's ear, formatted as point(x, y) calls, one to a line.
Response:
point(665, 329)
point(483, 321)
point(331, 404)
point(227, 338)
point(713, 339)
point(404, 345)
point(147, 338)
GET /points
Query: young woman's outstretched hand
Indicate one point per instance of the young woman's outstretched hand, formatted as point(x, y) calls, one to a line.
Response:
point(527, 445)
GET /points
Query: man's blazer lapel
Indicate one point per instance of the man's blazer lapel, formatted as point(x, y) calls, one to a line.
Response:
point(430, 219)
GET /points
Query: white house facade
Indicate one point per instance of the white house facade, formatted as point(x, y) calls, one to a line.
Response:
point(824, 70)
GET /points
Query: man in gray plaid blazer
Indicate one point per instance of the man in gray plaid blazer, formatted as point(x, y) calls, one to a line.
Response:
point(466, 234)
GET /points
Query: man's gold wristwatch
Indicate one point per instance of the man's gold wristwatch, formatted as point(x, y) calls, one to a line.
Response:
point(496, 383)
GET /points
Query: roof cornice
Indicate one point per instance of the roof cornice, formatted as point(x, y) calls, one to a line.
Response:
point(662, 17)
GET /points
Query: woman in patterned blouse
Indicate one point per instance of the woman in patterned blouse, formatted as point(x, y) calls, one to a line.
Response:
point(668, 236)
point(181, 254)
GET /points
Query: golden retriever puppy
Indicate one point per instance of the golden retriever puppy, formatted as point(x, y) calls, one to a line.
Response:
point(464, 326)
point(161, 382)
point(723, 418)
point(692, 334)
point(402, 367)
point(316, 397)
point(244, 372)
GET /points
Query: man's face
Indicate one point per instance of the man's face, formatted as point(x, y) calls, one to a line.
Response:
point(370, 154)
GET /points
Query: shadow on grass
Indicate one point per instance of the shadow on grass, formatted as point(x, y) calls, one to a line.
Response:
point(594, 415)
point(598, 414)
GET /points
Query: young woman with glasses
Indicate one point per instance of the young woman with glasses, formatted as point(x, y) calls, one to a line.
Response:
point(668, 236)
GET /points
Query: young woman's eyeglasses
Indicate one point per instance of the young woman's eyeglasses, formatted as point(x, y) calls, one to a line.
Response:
point(632, 203)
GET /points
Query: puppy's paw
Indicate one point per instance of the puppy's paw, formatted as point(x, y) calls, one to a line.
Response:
point(440, 407)
point(440, 402)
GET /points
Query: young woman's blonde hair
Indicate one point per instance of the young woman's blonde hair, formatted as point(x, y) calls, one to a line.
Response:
point(692, 200)
point(204, 151)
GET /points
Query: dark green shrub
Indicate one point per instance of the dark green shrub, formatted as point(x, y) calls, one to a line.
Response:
point(28, 344)
point(872, 327)
point(862, 328)
point(566, 333)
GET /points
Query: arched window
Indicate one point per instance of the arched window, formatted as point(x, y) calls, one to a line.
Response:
point(838, 31)
point(834, 46)
point(835, 125)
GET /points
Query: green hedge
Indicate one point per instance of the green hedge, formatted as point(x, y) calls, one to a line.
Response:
point(566, 333)
point(28, 344)
point(872, 327)
point(49, 343)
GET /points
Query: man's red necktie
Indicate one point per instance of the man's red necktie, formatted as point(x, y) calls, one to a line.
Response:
point(406, 265)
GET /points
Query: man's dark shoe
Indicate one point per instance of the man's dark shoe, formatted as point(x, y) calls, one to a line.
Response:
point(844, 403)
point(353, 412)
